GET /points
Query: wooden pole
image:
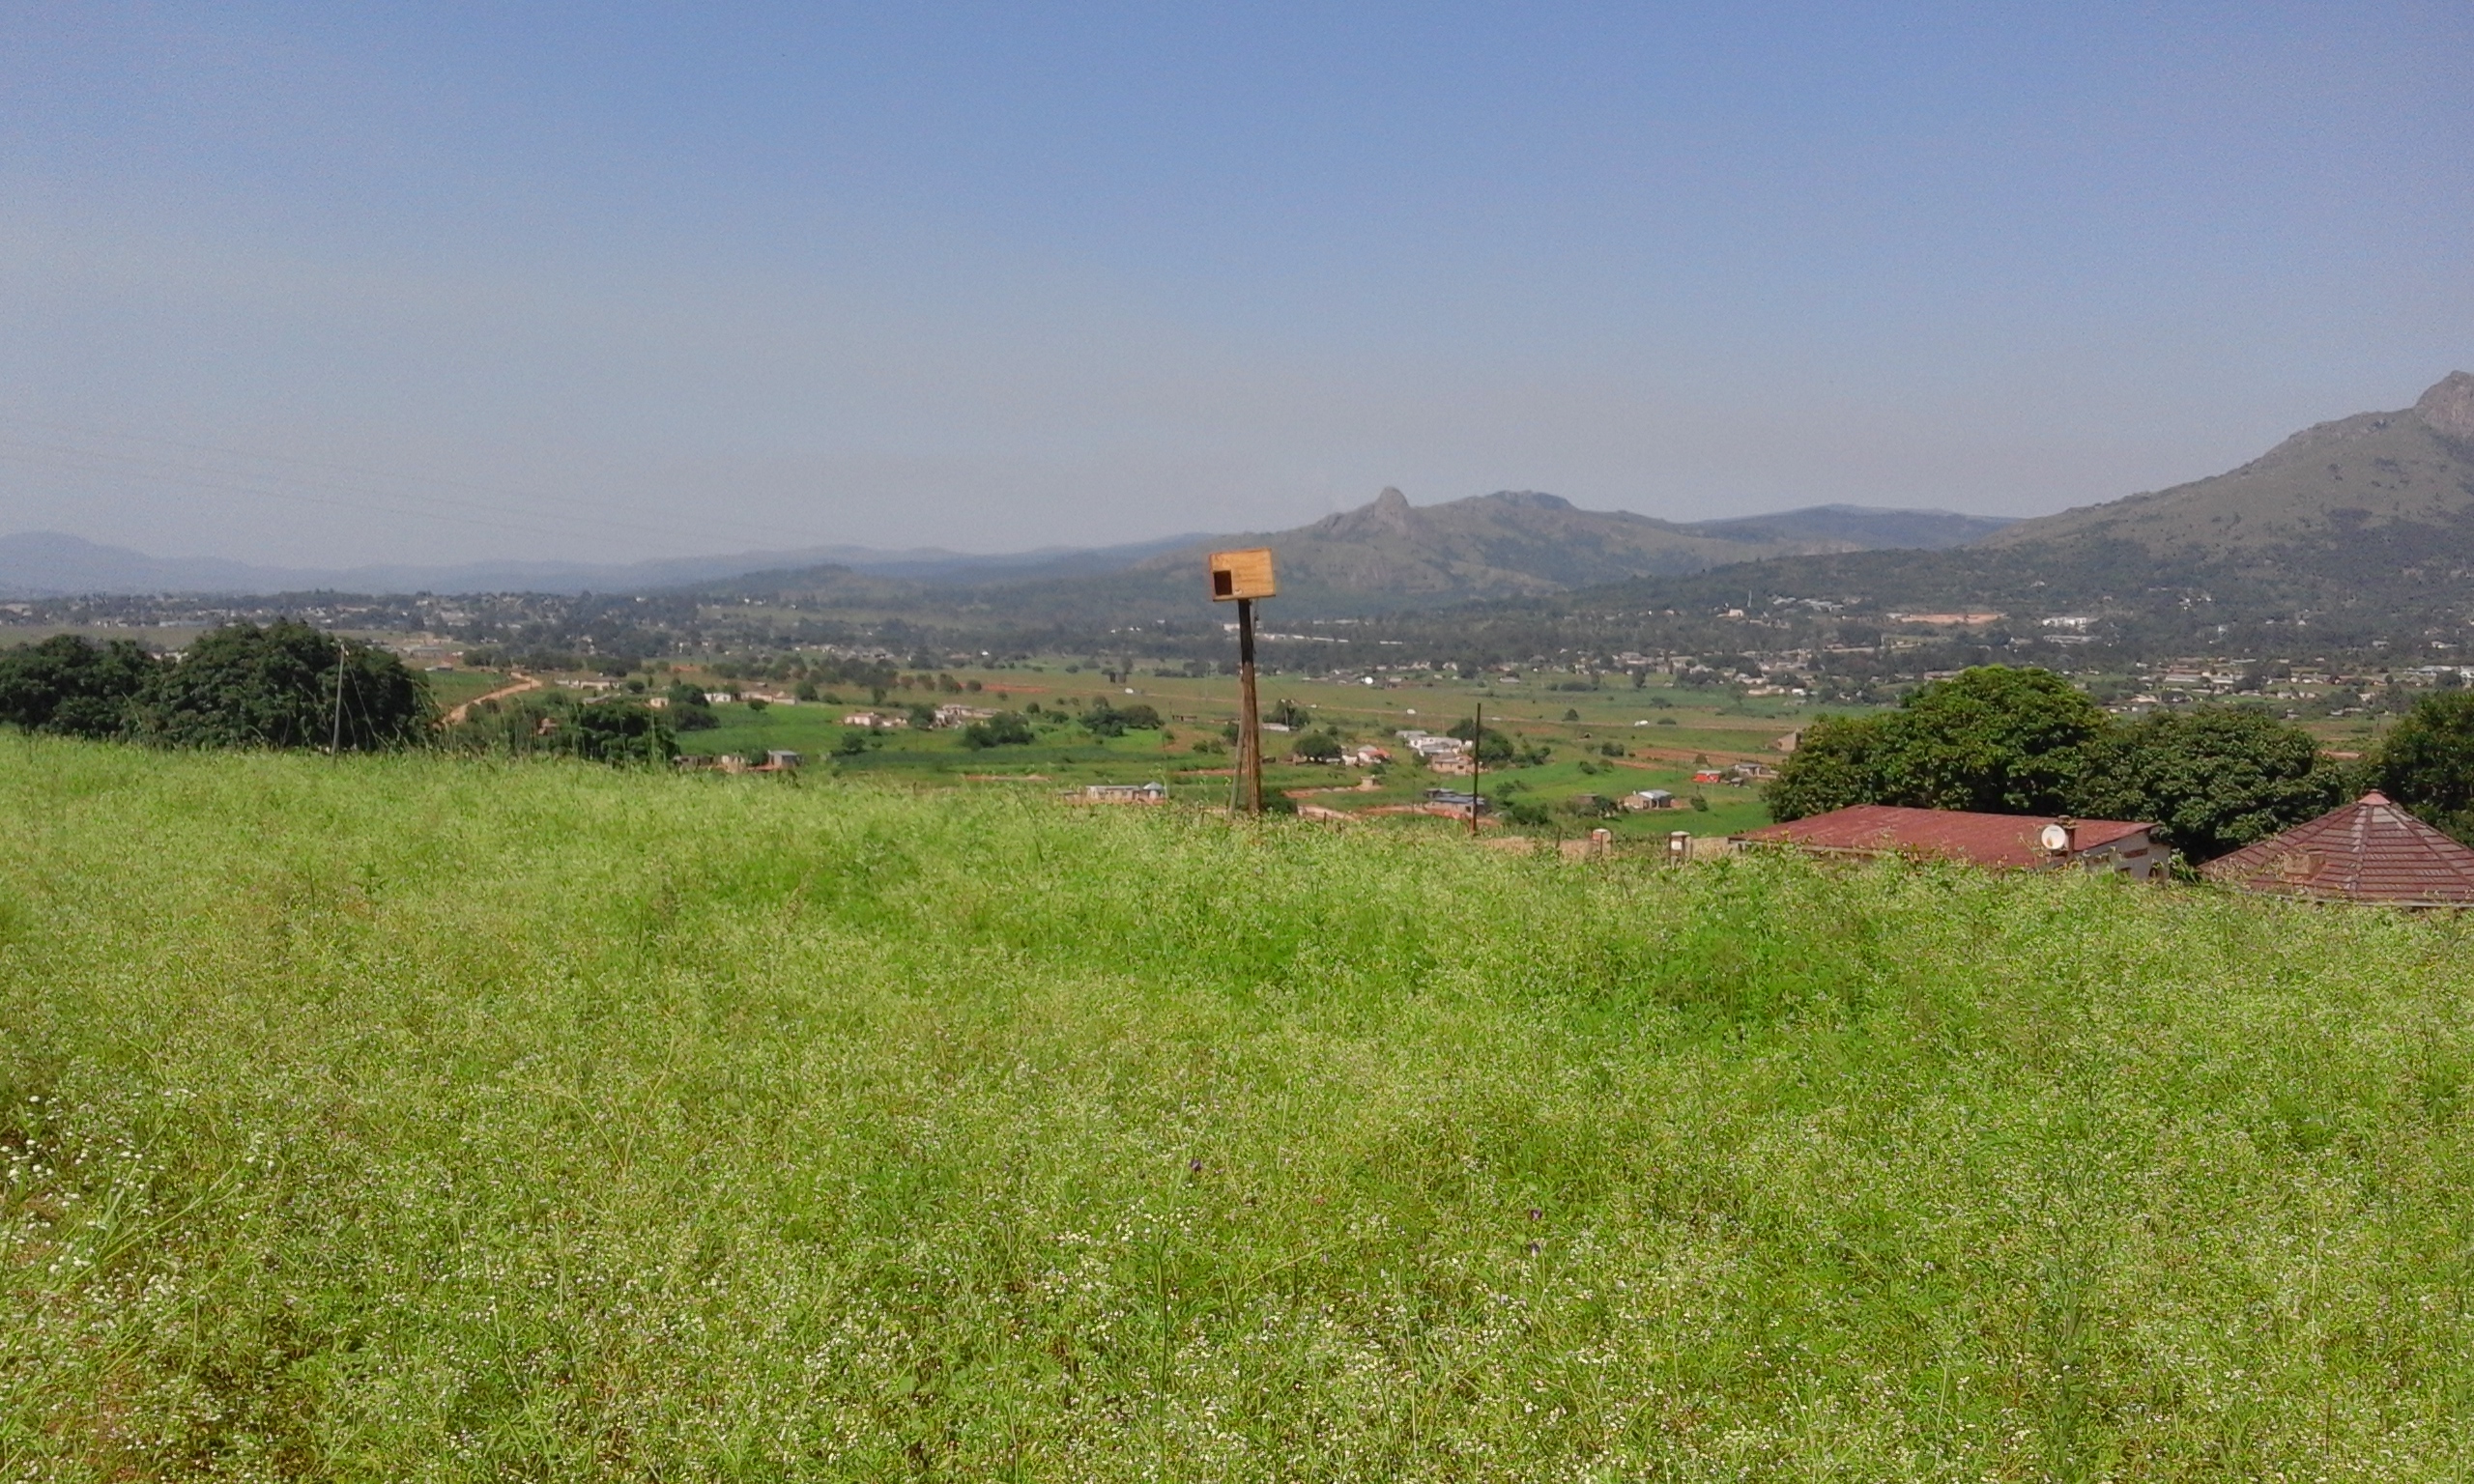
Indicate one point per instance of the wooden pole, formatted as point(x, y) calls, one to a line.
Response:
point(335, 739)
point(1477, 767)
point(1250, 725)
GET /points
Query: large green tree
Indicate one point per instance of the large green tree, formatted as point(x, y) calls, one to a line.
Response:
point(1993, 738)
point(2214, 779)
point(278, 685)
point(2426, 761)
point(72, 686)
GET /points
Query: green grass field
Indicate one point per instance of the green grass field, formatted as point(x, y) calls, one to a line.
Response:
point(426, 1118)
point(1676, 729)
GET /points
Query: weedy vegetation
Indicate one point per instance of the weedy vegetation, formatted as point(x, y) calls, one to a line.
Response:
point(416, 1117)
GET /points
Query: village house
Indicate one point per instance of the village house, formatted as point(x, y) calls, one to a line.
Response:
point(2370, 851)
point(874, 720)
point(955, 714)
point(1364, 755)
point(1124, 793)
point(1648, 798)
point(2005, 841)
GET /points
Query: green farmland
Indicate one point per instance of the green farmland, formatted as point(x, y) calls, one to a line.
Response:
point(1657, 737)
point(426, 1118)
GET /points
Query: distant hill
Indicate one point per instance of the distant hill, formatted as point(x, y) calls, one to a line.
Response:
point(49, 564)
point(2329, 489)
point(1860, 528)
point(1385, 554)
point(2355, 530)
point(1389, 555)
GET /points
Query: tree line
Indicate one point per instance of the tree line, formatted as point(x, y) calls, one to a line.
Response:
point(283, 685)
point(287, 684)
point(2024, 741)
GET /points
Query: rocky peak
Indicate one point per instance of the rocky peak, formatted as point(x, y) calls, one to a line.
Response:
point(2448, 408)
point(1388, 516)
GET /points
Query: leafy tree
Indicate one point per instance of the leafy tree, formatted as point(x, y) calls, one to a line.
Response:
point(1837, 765)
point(1006, 728)
point(1289, 714)
point(620, 732)
point(1494, 747)
point(2426, 761)
point(1993, 739)
point(282, 685)
point(1317, 747)
point(2214, 779)
point(1997, 739)
point(689, 710)
point(1107, 721)
point(72, 686)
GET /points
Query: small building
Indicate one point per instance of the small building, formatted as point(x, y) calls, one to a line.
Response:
point(955, 714)
point(1364, 755)
point(1650, 798)
point(781, 760)
point(876, 721)
point(2370, 851)
point(1787, 741)
point(1124, 793)
point(1454, 798)
point(2005, 841)
point(1708, 776)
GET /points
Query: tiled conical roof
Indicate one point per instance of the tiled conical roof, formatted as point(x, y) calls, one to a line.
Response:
point(2368, 850)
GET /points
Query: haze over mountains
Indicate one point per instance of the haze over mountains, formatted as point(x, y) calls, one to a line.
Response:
point(2361, 529)
point(49, 564)
point(1386, 553)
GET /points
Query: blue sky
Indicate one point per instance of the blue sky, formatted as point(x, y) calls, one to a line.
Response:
point(335, 284)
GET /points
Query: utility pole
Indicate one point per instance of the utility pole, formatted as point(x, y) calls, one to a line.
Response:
point(335, 739)
point(1242, 577)
point(1476, 766)
point(1249, 723)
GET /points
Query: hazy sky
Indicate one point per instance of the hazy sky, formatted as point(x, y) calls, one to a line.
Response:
point(328, 283)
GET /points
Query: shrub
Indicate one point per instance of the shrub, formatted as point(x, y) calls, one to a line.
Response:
point(71, 686)
point(282, 685)
point(1006, 728)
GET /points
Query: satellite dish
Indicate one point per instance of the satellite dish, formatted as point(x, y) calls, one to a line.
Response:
point(2056, 839)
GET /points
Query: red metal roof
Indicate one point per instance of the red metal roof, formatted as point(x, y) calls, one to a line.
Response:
point(1981, 839)
point(2368, 850)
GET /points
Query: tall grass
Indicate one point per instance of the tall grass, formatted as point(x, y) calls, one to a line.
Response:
point(409, 1118)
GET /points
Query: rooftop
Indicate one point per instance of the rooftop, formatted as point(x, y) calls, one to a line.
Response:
point(2368, 850)
point(1982, 839)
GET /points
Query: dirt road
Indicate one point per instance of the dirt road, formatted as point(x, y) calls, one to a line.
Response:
point(523, 683)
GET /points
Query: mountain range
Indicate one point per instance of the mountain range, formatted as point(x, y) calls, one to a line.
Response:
point(1386, 553)
point(2355, 532)
point(2359, 530)
point(46, 564)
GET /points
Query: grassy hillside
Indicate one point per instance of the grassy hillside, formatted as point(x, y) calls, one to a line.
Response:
point(2324, 489)
point(409, 1118)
